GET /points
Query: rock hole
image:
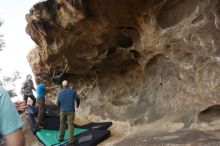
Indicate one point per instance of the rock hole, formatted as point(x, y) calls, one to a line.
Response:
point(111, 50)
point(121, 102)
point(198, 19)
point(168, 46)
point(210, 114)
point(135, 53)
point(123, 41)
point(127, 27)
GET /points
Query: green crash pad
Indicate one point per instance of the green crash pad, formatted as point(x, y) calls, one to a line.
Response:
point(50, 137)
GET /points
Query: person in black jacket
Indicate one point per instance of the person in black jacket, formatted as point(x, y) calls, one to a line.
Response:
point(27, 90)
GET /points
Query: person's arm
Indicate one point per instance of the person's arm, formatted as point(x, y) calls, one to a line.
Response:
point(44, 91)
point(78, 102)
point(15, 138)
point(10, 121)
point(20, 106)
point(32, 85)
point(77, 99)
point(57, 100)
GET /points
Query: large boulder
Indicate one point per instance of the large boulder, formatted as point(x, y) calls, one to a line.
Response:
point(134, 61)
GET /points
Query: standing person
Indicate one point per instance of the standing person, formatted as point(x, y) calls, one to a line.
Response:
point(40, 90)
point(26, 90)
point(66, 101)
point(10, 121)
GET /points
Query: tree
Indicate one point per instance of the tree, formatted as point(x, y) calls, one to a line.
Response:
point(12, 93)
point(1, 40)
point(8, 81)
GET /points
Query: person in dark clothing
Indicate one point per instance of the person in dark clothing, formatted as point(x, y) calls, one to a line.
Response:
point(66, 101)
point(26, 90)
point(57, 79)
point(40, 90)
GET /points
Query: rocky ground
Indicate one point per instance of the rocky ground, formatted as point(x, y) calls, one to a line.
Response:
point(159, 136)
point(160, 133)
point(181, 138)
point(30, 139)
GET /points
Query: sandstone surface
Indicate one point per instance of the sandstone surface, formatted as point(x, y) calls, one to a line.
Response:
point(134, 61)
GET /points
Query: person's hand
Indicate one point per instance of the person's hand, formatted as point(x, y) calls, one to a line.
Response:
point(20, 106)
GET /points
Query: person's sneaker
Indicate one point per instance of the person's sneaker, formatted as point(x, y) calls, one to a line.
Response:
point(60, 140)
point(40, 126)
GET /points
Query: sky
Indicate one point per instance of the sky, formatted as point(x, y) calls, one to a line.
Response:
point(18, 42)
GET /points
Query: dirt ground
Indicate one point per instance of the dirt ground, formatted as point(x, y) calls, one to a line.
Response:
point(122, 135)
point(160, 133)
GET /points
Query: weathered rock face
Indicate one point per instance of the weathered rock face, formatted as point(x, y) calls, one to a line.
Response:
point(135, 61)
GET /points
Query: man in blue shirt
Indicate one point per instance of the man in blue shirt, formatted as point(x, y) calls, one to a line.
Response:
point(66, 101)
point(10, 121)
point(40, 90)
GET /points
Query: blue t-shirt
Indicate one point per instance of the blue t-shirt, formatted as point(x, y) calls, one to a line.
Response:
point(66, 99)
point(10, 120)
point(40, 90)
